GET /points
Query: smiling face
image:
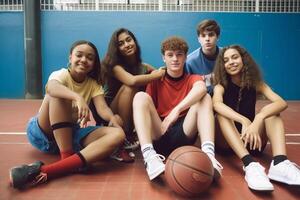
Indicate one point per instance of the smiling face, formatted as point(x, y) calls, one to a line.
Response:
point(126, 44)
point(233, 62)
point(82, 60)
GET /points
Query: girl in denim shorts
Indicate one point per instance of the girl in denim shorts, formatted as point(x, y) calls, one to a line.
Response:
point(61, 124)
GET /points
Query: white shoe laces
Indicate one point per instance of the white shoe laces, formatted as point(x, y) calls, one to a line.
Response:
point(257, 171)
point(152, 157)
point(215, 163)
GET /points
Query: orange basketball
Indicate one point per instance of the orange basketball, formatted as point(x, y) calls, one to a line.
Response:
point(189, 171)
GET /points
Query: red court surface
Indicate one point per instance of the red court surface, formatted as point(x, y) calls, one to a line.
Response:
point(111, 180)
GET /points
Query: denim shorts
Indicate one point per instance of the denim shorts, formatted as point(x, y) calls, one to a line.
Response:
point(39, 140)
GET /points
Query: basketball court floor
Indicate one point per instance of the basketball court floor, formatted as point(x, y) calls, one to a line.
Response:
point(111, 180)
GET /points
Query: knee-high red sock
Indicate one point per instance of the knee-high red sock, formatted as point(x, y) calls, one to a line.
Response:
point(65, 154)
point(64, 166)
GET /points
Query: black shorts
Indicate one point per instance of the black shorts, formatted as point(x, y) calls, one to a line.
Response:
point(173, 138)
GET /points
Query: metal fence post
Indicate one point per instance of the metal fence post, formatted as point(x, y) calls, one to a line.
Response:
point(32, 50)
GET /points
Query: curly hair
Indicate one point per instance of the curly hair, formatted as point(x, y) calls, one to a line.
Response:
point(96, 71)
point(114, 57)
point(174, 43)
point(251, 75)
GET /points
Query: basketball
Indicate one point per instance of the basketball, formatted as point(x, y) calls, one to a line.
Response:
point(189, 171)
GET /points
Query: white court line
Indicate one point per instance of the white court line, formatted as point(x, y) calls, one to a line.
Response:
point(12, 133)
point(293, 135)
point(8, 143)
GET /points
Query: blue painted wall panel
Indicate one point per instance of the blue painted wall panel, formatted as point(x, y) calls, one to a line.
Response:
point(273, 40)
point(12, 78)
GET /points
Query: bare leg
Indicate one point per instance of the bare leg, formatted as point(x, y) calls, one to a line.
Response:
point(55, 110)
point(200, 118)
point(232, 136)
point(122, 105)
point(221, 143)
point(148, 128)
point(146, 119)
point(275, 133)
point(101, 143)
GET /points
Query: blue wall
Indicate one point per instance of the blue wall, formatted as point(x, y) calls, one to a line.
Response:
point(271, 38)
point(12, 71)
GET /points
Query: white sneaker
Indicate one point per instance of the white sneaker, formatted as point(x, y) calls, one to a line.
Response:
point(256, 177)
point(154, 165)
point(285, 172)
point(217, 167)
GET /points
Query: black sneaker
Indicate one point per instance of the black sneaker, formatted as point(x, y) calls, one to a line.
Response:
point(27, 175)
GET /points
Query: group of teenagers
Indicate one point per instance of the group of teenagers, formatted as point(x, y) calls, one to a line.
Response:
point(203, 98)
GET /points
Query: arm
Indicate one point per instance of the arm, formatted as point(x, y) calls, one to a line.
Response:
point(58, 90)
point(197, 92)
point(106, 113)
point(224, 110)
point(276, 106)
point(136, 80)
point(250, 131)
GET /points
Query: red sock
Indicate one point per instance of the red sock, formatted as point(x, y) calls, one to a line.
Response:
point(65, 154)
point(63, 166)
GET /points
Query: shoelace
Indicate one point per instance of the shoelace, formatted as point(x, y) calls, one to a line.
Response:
point(159, 156)
point(259, 171)
point(41, 178)
point(215, 162)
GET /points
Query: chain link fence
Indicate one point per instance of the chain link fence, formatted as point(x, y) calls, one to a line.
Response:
point(269, 6)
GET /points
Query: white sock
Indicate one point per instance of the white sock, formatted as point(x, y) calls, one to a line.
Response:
point(147, 150)
point(208, 147)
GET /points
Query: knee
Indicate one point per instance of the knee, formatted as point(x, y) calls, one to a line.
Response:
point(206, 101)
point(59, 101)
point(118, 136)
point(204, 104)
point(141, 99)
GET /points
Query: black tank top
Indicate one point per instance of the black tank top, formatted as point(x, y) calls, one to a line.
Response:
point(246, 106)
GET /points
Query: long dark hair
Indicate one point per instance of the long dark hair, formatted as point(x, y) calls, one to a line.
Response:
point(113, 56)
point(96, 71)
point(251, 75)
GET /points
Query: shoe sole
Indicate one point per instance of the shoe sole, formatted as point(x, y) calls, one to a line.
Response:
point(12, 178)
point(156, 173)
point(279, 179)
point(11, 182)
